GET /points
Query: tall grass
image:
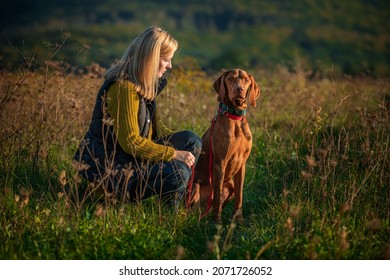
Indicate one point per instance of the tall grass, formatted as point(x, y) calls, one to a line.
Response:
point(317, 182)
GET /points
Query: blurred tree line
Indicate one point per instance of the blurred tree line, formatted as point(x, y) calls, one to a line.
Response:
point(350, 36)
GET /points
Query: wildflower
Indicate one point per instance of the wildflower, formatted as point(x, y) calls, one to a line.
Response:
point(373, 225)
point(311, 162)
point(289, 225)
point(76, 179)
point(128, 172)
point(25, 195)
point(285, 206)
point(294, 211)
point(47, 211)
point(323, 153)
point(121, 212)
point(108, 121)
point(62, 178)
point(111, 171)
point(344, 244)
point(180, 252)
point(345, 208)
point(100, 212)
point(6, 190)
point(316, 117)
point(306, 175)
point(61, 221)
point(79, 166)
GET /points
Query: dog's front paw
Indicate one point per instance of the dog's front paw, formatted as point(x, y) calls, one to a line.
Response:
point(194, 197)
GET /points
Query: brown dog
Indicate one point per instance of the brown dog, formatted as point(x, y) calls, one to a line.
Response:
point(220, 171)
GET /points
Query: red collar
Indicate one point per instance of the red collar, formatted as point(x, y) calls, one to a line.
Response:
point(230, 116)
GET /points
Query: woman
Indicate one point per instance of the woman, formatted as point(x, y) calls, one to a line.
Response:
point(127, 150)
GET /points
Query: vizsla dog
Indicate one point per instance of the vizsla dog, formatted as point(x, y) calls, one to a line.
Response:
point(220, 171)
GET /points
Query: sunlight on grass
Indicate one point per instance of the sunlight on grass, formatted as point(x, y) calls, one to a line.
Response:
point(317, 185)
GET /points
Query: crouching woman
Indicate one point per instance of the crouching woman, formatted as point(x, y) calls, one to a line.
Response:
point(127, 150)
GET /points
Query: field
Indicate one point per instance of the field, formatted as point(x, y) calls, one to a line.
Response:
point(317, 182)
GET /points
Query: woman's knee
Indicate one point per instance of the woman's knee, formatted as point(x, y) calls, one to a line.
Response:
point(194, 142)
point(192, 136)
point(186, 140)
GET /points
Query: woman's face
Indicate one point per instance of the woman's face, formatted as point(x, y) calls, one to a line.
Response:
point(165, 64)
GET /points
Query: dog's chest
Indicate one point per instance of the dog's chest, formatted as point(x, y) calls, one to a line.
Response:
point(242, 132)
point(235, 140)
point(240, 144)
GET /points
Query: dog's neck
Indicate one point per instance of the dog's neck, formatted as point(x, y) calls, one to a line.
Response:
point(231, 112)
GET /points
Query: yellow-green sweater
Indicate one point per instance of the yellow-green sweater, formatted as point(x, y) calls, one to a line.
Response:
point(123, 103)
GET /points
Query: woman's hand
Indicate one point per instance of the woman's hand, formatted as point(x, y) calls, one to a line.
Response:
point(185, 156)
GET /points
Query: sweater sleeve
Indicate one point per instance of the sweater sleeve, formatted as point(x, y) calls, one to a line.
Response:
point(123, 103)
point(161, 129)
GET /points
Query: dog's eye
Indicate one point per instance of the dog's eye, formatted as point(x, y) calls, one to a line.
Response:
point(231, 79)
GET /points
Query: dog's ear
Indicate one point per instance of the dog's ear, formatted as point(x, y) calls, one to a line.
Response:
point(219, 86)
point(254, 91)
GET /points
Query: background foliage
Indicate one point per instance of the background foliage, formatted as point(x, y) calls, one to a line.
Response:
point(350, 36)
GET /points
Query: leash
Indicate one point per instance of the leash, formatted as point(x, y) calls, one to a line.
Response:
point(189, 187)
point(210, 200)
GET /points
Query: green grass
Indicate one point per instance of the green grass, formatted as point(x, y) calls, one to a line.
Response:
point(317, 182)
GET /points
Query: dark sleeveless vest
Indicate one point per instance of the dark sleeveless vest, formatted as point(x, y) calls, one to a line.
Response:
point(100, 149)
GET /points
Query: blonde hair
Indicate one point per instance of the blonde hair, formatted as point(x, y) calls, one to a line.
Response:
point(140, 62)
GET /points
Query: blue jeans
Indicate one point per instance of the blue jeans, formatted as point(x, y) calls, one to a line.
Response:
point(162, 178)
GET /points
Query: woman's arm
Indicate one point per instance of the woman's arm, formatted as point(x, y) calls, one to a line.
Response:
point(123, 103)
point(161, 129)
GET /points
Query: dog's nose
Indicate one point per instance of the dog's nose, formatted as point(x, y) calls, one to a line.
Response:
point(239, 89)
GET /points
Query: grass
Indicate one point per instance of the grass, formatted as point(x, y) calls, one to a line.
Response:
point(317, 182)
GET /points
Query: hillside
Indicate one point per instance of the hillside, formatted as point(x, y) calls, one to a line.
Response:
point(348, 36)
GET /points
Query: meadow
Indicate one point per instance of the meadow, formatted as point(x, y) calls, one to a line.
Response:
point(317, 182)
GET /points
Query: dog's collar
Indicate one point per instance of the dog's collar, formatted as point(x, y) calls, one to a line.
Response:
point(231, 113)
